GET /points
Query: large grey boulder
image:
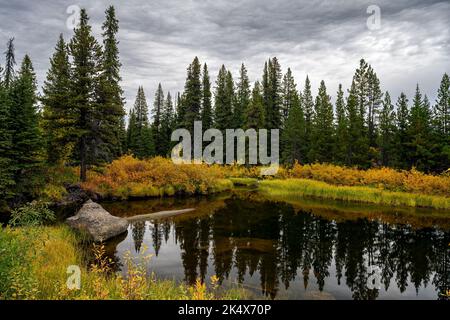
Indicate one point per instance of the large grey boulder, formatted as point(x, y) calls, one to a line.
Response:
point(98, 223)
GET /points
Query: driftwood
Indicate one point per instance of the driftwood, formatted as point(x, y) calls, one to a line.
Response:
point(159, 215)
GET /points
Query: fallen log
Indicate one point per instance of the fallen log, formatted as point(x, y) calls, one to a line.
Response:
point(159, 215)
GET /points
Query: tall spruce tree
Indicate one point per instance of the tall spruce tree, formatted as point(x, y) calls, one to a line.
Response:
point(242, 98)
point(358, 146)
point(308, 110)
point(420, 143)
point(386, 138)
point(207, 116)
point(114, 93)
point(375, 97)
point(441, 125)
point(58, 117)
point(6, 164)
point(401, 137)
point(87, 91)
point(26, 140)
point(140, 134)
point(167, 125)
point(290, 95)
point(323, 128)
point(293, 131)
point(254, 114)
point(341, 142)
point(10, 63)
point(158, 105)
point(223, 104)
point(192, 96)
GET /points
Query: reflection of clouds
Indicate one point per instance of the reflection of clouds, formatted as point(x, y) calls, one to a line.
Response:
point(324, 39)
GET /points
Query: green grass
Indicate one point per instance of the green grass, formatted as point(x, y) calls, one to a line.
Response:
point(291, 188)
point(34, 261)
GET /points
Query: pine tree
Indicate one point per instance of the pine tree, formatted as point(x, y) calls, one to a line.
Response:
point(140, 134)
point(242, 98)
point(207, 117)
point(156, 126)
point(442, 107)
point(254, 114)
point(358, 146)
point(86, 89)
point(223, 105)
point(113, 109)
point(293, 133)
point(401, 137)
point(58, 119)
point(192, 96)
point(308, 111)
point(9, 71)
point(341, 129)
point(26, 140)
point(272, 92)
point(374, 103)
point(6, 164)
point(419, 134)
point(167, 125)
point(323, 128)
point(386, 139)
point(441, 125)
point(290, 94)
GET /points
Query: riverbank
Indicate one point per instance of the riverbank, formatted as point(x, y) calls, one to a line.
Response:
point(34, 265)
point(294, 188)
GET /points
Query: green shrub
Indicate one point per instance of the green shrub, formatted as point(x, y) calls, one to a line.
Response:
point(35, 213)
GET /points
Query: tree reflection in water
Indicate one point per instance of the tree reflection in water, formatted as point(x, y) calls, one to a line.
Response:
point(285, 247)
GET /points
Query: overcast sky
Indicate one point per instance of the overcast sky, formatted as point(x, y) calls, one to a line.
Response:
point(324, 39)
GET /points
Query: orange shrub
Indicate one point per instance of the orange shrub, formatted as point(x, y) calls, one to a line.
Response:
point(128, 176)
point(383, 178)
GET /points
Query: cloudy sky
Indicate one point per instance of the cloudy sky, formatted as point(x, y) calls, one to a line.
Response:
point(324, 39)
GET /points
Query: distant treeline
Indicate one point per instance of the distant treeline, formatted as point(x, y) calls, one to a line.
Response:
point(80, 117)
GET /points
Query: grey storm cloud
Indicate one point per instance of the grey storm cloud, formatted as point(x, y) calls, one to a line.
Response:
point(322, 39)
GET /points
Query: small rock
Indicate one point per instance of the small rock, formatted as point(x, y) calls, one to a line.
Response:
point(97, 222)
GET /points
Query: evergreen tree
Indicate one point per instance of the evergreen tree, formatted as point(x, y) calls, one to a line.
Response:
point(207, 117)
point(86, 90)
point(242, 98)
point(223, 105)
point(111, 68)
point(419, 133)
point(192, 96)
point(9, 71)
point(58, 119)
point(167, 125)
point(323, 129)
point(272, 92)
point(156, 126)
point(401, 137)
point(386, 139)
point(140, 134)
point(441, 125)
point(308, 110)
point(254, 114)
point(6, 164)
point(293, 133)
point(357, 147)
point(340, 149)
point(290, 94)
point(26, 140)
point(374, 103)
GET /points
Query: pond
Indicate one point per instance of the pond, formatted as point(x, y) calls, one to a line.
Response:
point(307, 249)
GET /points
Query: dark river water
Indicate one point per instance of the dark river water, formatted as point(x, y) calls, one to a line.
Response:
point(300, 250)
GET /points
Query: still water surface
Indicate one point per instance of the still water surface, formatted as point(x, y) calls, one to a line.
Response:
point(280, 250)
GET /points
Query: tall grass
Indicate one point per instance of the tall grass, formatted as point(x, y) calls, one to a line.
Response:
point(290, 188)
point(34, 262)
point(382, 178)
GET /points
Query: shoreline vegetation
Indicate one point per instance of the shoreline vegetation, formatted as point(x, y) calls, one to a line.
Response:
point(130, 178)
point(34, 262)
